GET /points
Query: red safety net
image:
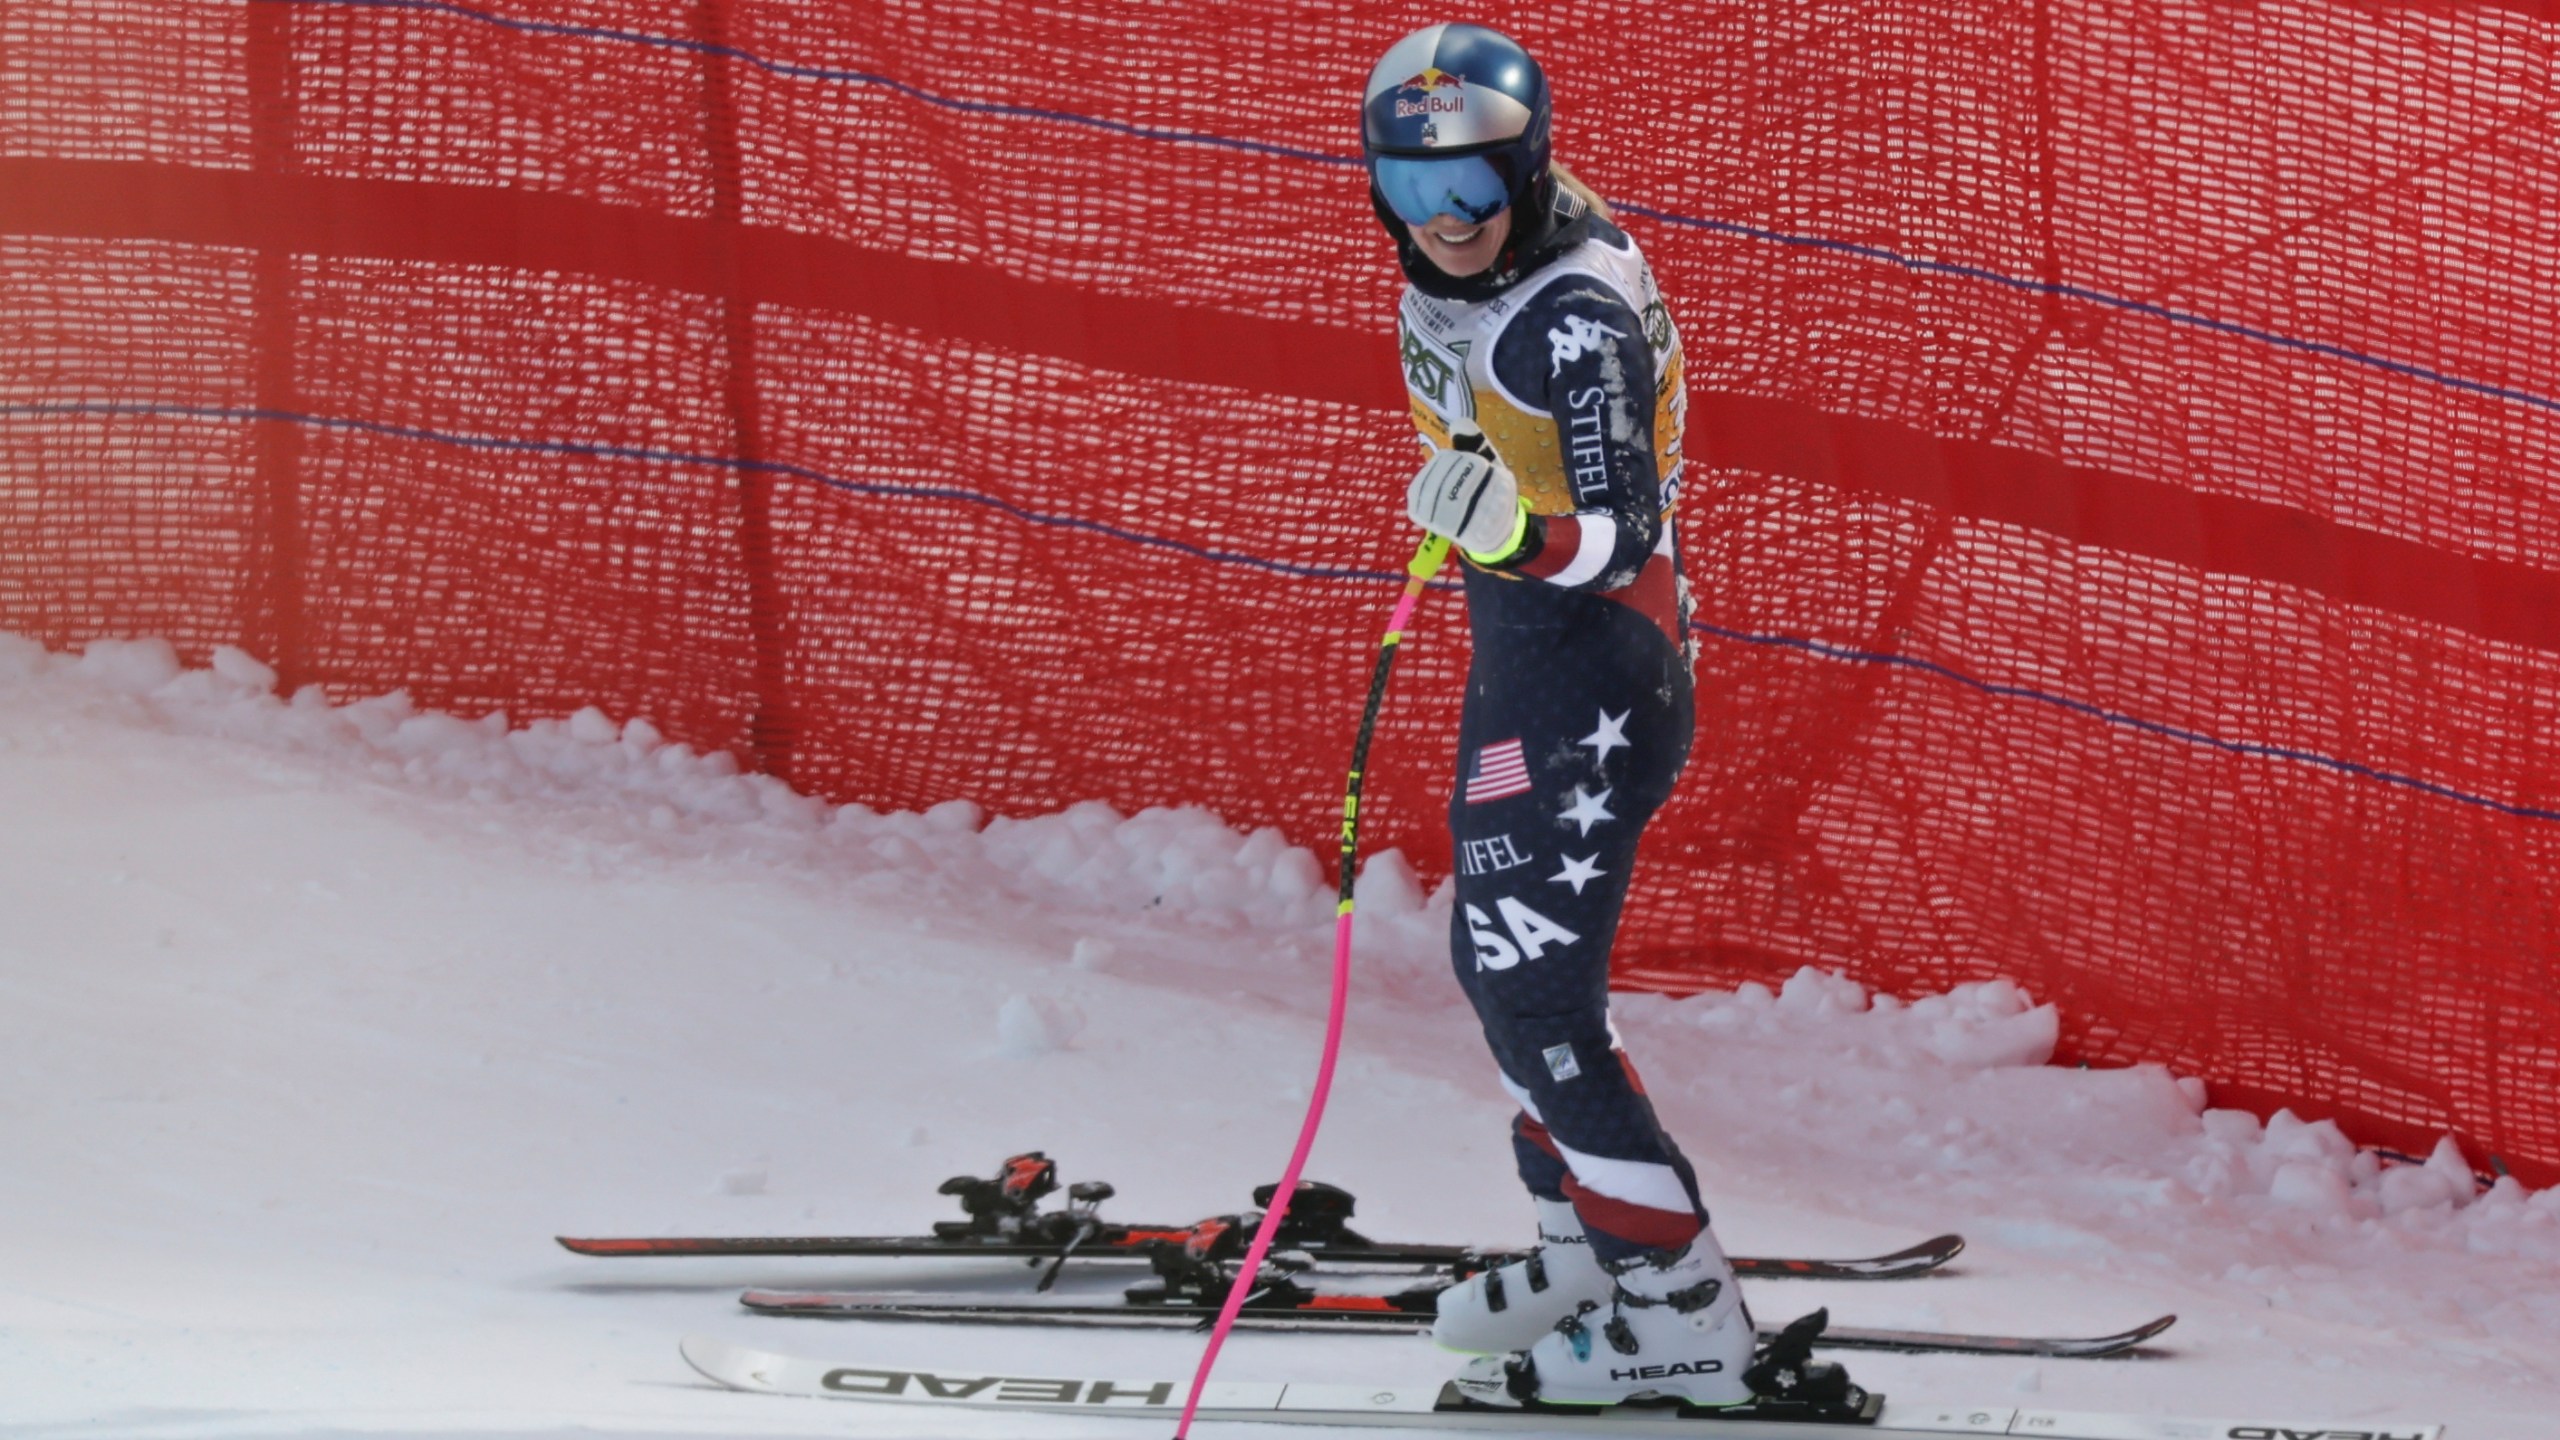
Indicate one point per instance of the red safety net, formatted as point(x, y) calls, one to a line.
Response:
point(2122, 513)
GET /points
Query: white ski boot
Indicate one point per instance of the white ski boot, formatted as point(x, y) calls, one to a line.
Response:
point(1508, 1308)
point(1675, 1326)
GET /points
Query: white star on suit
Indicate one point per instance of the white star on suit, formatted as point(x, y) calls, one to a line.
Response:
point(1612, 735)
point(1588, 810)
point(1578, 872)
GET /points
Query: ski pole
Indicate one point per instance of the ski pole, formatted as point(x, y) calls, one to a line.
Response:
point(1418, 571)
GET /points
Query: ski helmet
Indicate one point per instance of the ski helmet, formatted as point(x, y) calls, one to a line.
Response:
point(1455, 121)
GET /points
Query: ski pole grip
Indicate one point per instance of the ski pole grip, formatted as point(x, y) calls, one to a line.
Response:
point(1427, 558)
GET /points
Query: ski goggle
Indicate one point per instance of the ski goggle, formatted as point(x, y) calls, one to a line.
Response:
point(1416, 187)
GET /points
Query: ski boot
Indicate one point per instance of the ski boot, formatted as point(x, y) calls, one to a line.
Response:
point(1508, 1307)
point(1672, 1328)
point(1674, 1333)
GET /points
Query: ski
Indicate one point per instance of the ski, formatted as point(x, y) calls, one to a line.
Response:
point(1440, 1405)
point(1130, 1242)
point(1433, 1405)
point(1005, 1221)
point(1286, 1305)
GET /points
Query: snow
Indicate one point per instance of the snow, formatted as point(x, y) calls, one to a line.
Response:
point(319, 1021)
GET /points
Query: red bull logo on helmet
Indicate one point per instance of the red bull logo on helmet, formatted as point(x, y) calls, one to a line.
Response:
point(1431, 81)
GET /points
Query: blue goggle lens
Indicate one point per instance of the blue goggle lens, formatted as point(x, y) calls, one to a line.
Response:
point(1418, 188)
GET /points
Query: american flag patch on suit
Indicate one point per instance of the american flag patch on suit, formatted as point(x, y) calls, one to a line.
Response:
point(1497, 772)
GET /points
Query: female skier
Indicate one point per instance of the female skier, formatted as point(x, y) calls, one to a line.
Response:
point(1545, 378)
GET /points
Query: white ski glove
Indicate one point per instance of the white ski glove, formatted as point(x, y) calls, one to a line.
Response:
point(1463, 492)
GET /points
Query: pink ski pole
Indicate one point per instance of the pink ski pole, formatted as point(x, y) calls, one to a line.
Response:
point(1425, 563)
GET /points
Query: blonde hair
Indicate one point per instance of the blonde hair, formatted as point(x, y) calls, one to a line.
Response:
point(1589, 196)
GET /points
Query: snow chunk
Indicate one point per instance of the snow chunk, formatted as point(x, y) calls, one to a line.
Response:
point(134, 667)
point(957, 817)
point(1986, 1025)
point(2408, 1188)
point(2192, 1089)
point(1986, 1042)
point(2310, 1185)
point(1028, 1025)
point(2289, 1137)
point(2447, 1164)
point(1387, 885)
point(243, 669)
point(1165, 859)
point(1819, 992)
point(1296, 878)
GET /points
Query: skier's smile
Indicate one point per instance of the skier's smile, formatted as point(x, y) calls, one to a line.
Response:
point(1462, 247)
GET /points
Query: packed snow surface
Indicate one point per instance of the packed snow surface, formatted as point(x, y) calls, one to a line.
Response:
point(320, 1021)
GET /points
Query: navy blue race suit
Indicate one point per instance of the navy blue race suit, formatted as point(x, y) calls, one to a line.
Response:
point(1578, 705)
